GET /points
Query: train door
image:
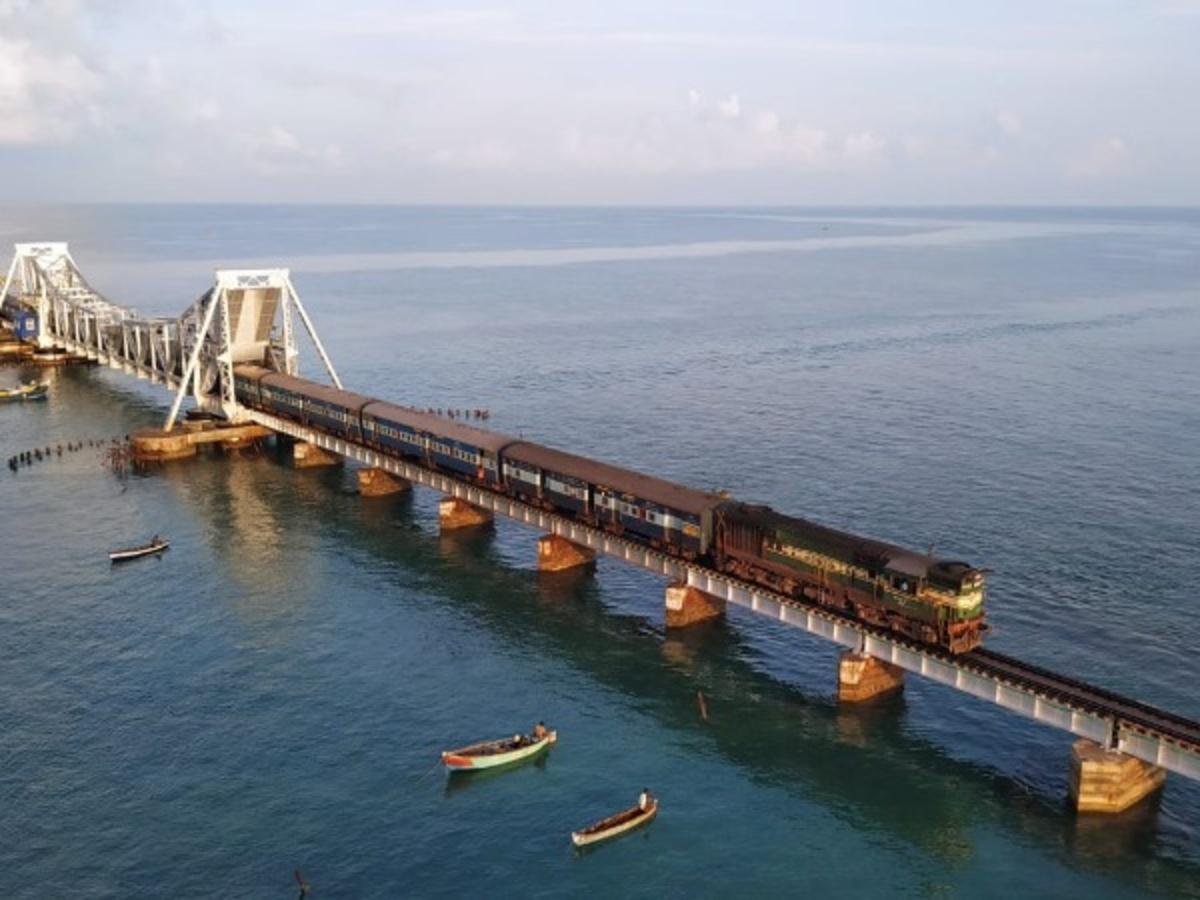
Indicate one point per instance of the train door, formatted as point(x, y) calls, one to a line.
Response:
point(605, 505)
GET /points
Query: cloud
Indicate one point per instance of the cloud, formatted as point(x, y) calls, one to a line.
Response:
point(278, 152)
point(1102, 158)
point(428, 101)
point(730, 108)
point(1010, 123)
point(389, 21)
point(865, 150)
point(205, 111)
point(706, 138)
point(916, 146)
point(47, 93)
point(383, 88)
point(488, 155)
point(952, 54)
point(1178, 8)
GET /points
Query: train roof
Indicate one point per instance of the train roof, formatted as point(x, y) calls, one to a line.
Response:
point(858, 548)
point(416, 419)
point(626, 481)
point(482, 438)
point(326, 392)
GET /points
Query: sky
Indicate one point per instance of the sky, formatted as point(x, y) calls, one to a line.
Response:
point(615, 102)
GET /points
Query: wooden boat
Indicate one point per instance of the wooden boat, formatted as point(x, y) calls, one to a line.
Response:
point(615, 826)
point(31, 391)
point(158, 545)
point(491, 754)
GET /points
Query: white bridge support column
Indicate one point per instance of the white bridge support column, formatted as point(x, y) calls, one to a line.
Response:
point(190, 371)
point(312, 332)
point(8, 280)
point(43, 309)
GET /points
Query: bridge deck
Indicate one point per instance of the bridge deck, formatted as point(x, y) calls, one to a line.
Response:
point(1150, 734)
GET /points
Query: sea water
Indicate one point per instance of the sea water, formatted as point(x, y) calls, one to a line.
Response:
point(1018, 388)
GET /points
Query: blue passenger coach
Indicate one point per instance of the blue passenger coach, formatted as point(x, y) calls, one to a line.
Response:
point(451, 446)
point(665, 515)
point(331, 410)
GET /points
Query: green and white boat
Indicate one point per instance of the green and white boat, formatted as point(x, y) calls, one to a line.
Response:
point(493, 754)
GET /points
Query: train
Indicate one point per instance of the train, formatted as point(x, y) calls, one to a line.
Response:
point(926, 598)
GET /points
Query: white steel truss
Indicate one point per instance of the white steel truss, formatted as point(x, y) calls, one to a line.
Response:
point(233, 322)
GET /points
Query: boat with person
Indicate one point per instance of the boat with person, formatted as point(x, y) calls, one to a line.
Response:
point(31, 390)
point(618, 824)
point(155, 546)
point(502, 752)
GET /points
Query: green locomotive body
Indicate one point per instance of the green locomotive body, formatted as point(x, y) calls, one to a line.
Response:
point(929, 599)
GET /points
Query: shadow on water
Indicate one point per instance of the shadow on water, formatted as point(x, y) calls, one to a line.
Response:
point(859, 763)
point(644, 834)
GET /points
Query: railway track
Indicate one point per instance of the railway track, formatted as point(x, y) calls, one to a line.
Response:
point(1073, 692)
point(1065, 691)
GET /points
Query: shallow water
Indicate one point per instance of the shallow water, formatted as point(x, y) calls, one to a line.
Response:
point(1020, 388)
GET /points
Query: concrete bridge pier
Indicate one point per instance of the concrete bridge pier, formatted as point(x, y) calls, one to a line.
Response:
point(153, 445)
point(310, 456)
point(863, 677)
point(160, 446)
point(454, 513)
point(12, 347)
point(686, 605)
point(1107, 781)
point(557, 554)
point(237, 443)
point(381, 483)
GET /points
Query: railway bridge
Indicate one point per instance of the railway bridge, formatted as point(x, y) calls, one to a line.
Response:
point(1124, 747)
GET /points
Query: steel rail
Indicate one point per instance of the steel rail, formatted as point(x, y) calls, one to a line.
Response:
point(1124, 709)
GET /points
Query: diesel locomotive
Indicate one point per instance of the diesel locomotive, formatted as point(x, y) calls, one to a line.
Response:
point(929, 599)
